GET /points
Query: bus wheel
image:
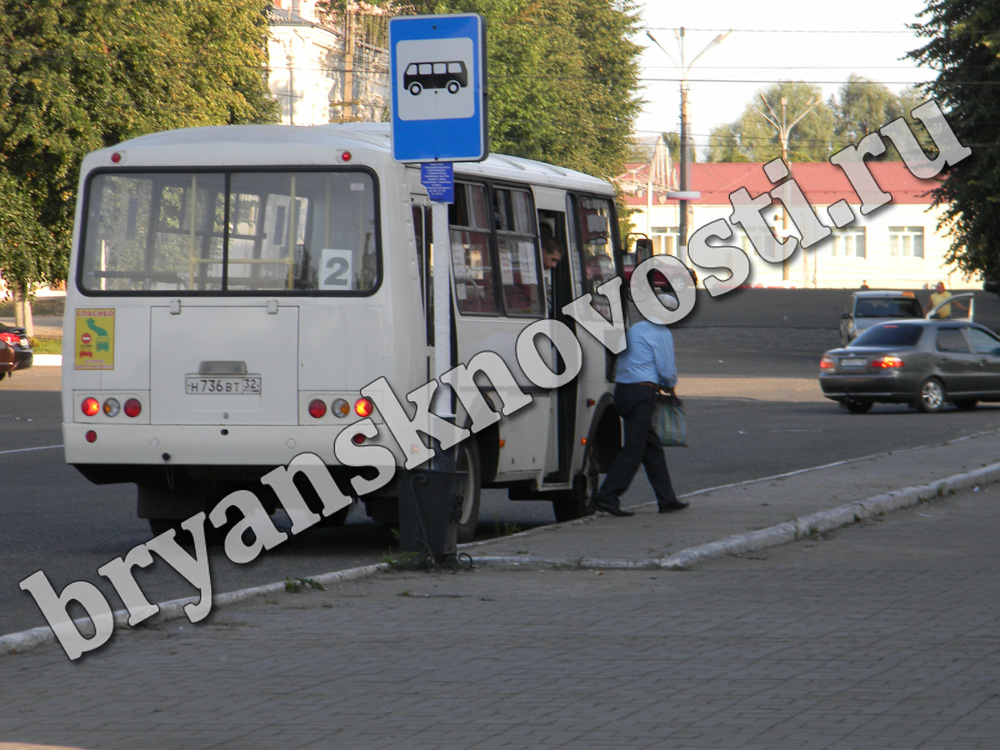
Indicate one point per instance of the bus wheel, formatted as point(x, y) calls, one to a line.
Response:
point(467, 462)
point(454, 87)
point(579, 501)
point(415, 89)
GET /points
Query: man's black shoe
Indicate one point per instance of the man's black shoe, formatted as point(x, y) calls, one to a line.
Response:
point(614, 510)
point(673, 507)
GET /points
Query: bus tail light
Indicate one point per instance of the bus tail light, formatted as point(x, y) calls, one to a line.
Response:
point(111, 407)
point(363, 407)
point(340, 408)
point(90, 406)
point(317, 408)
point(91, 436)
point(133, 408)
point(358, 439)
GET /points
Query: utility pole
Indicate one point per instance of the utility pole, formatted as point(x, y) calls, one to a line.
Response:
point(784, 129)
point(685, 168)
point(348, 113)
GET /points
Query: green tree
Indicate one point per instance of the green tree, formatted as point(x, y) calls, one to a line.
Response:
point(77, 75)
point(963, 44)
point(862, 107)
point(753, 138)
point(563, 78)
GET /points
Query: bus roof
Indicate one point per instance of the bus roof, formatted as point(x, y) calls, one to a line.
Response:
point(237, 145)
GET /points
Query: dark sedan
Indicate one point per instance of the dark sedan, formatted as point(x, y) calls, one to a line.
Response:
point(924, 363)
point(15, 350)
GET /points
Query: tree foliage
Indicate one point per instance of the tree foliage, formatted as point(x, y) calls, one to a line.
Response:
point(963, 44)
point(860, 107)
point(77, 75)
point(563, 78)
point(753, 138)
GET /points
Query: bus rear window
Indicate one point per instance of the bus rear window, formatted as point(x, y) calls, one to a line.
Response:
point(220, 232)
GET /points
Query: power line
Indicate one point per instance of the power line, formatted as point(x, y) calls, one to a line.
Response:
point(788, 31)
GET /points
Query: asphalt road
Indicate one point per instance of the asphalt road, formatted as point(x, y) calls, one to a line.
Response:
point(760, 414)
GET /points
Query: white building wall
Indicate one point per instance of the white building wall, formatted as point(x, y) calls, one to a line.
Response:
point(299, 62)
point(825, 265)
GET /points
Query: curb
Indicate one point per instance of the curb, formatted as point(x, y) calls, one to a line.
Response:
point(790, 531)
point(18, 643)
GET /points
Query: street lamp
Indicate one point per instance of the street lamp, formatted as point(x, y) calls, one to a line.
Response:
point(784, 129)
point(684, 67)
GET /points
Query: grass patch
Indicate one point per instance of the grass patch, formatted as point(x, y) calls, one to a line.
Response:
point(46, 346)
point(295, 585)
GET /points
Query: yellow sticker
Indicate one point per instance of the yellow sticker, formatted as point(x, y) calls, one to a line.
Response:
point(94, 345)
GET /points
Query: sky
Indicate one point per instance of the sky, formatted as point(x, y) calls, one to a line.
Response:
point(802, 40)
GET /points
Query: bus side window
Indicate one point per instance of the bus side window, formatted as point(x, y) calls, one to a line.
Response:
point(516, 250)
point(470, 251)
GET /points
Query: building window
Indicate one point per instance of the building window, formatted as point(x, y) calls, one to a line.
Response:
point(849, 243)
point(665, 240)
point(906, 242)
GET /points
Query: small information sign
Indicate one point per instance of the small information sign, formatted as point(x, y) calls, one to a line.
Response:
point(439, 179)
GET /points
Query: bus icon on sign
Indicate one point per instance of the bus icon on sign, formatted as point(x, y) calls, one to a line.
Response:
point(452, 76)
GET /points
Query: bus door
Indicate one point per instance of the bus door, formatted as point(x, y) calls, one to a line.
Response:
point(559, 291)
point(592, 262)
point(498, 291)
point(423, 236)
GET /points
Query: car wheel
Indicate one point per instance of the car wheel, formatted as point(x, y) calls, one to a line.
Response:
point(931, 397)
point(966, 403)
point(579, 501)
point(858, 407)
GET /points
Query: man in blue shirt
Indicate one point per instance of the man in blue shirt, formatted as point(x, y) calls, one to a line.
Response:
point(646, 365)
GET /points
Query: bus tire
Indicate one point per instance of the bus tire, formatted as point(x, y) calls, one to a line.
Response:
point(467, 462)
point(579, 501)
point(415, 89)
point(454, 87)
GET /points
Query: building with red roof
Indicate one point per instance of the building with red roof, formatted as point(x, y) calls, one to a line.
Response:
point(897, 245)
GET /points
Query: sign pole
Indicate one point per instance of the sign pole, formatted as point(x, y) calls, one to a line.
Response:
point(438, 70)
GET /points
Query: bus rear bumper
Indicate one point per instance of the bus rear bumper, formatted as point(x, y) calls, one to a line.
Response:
point(200, 445)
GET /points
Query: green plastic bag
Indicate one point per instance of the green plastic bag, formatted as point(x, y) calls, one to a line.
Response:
point(669, 420)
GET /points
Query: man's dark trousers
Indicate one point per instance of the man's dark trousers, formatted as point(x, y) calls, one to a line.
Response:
point(636, 403)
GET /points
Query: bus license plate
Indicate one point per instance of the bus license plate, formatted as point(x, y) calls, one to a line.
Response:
point(236, 385)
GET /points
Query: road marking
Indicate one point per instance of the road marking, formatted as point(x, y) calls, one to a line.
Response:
point(25, 450)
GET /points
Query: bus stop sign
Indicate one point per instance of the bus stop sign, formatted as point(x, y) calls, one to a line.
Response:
point(438, 69)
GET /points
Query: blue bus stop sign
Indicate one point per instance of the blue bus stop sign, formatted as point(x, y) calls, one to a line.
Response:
point(438, 69)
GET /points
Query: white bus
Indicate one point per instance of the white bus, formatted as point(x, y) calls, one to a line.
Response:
point(232, 289)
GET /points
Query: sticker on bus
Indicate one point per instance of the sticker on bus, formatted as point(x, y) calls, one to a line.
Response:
point(94, 340)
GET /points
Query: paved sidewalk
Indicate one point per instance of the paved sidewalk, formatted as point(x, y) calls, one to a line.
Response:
point(422, 659)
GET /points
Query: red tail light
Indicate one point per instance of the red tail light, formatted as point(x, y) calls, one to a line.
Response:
point(827, 363)
point(133, 408)
point(888, 362)
point(90, 406)
point(317, 408)
point(363, 407)
point(10, 338)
